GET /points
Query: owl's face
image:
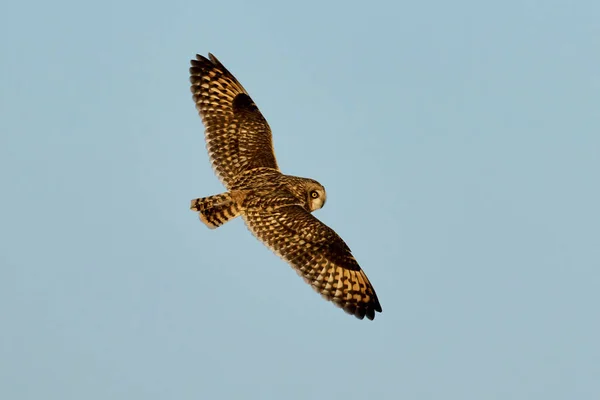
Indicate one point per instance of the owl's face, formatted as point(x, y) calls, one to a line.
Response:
point(316, 196)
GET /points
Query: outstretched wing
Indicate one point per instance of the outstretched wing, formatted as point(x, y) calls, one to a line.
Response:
point(319, 255)
point(238, 137)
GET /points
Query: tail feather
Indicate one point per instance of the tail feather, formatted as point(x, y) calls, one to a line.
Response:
point(215, 210)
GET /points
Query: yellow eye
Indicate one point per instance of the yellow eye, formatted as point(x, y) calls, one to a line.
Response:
point(314, 194)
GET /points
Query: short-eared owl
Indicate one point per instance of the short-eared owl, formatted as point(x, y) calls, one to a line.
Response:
point(276, 207)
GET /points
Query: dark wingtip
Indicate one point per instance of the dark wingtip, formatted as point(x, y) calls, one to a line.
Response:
point(204, 62)
point(200, 60)
point(216, 61)
point(361, 312)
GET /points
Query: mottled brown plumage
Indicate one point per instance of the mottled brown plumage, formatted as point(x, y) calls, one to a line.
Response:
point(276, 207)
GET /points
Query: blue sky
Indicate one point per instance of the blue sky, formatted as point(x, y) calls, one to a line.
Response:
point(459, 143)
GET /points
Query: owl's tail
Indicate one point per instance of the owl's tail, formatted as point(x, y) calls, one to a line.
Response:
point(216, 210)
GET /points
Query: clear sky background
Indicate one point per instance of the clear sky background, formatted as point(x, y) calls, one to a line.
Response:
point(459, 143)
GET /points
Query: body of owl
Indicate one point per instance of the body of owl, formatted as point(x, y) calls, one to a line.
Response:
point(261, 190)
point(276, 208)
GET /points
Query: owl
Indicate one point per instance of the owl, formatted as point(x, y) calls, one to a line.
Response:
point(276, 208)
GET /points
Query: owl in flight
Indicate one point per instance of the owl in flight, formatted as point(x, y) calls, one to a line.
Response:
point(276, 207)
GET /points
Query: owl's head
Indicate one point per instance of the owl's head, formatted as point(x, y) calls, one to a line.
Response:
point(316, 196)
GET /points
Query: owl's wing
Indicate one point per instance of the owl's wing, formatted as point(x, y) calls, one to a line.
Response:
point(318, 254)
point(238, 137)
